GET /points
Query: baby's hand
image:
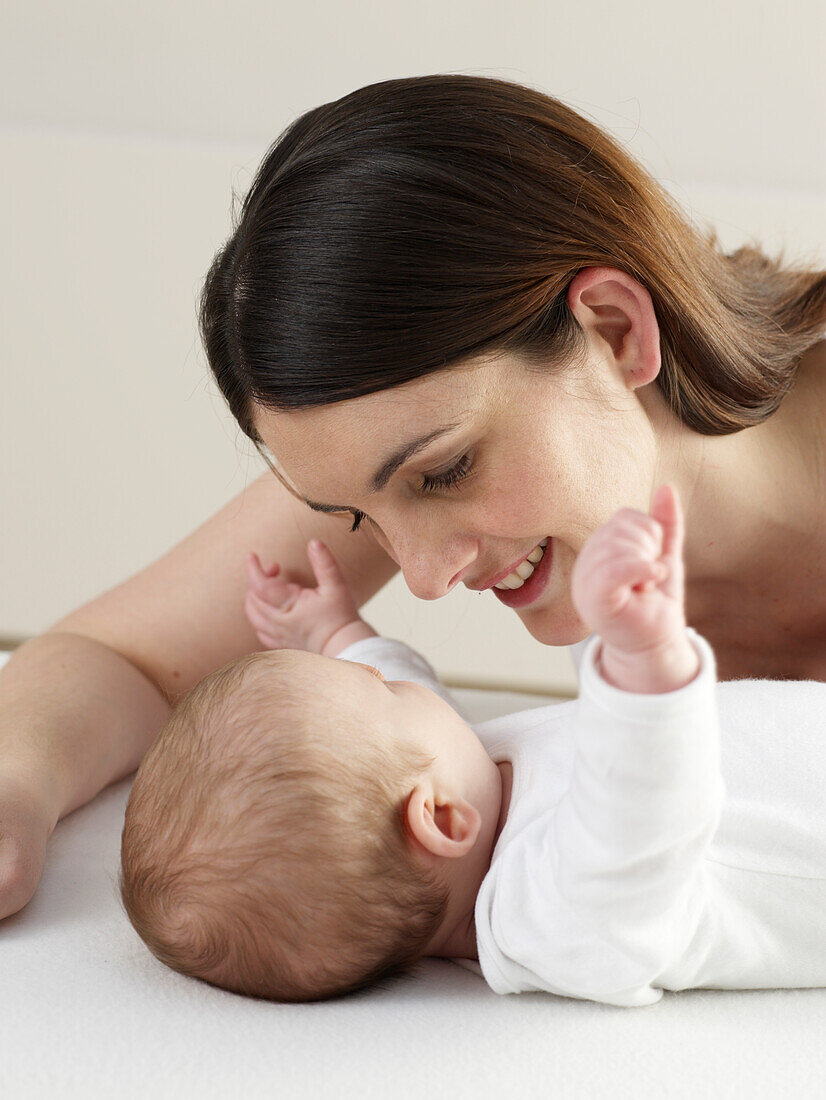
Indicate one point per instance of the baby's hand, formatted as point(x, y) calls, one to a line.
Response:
point(289, 616)
point(628, 585)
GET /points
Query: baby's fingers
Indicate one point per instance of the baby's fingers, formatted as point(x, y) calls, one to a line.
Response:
point(268, 632)
point(265, 615)
point(639, 574)
point(272, 591)
point(324, 565)
point(667, 511)
point(257, 576)
point(259, 618)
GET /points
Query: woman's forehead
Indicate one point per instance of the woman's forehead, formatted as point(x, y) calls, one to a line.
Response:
point(373, 425)
point(324, 466)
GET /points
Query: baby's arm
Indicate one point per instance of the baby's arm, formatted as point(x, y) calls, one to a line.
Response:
point(646, 790)
point(629, 839)
point(285, 615)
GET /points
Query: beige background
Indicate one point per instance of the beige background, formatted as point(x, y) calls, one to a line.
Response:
point(124, 131)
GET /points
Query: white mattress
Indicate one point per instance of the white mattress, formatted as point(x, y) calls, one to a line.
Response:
point(86, 1011)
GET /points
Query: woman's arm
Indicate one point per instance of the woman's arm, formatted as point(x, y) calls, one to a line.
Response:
point(82, 703)
point(183, 616)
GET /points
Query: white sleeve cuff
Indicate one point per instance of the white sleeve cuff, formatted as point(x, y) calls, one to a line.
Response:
point(647, 707)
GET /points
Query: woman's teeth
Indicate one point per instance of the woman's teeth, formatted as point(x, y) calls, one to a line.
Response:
point(518, 577)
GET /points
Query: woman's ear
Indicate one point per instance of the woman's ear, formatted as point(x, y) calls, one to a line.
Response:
point(614, 305)
point(447, 829)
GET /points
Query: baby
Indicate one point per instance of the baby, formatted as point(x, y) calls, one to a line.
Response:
point(304, 826)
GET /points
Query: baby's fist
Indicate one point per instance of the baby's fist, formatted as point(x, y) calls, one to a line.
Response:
point(628, 582)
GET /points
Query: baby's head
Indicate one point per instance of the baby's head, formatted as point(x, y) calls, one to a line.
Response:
point(301, 828)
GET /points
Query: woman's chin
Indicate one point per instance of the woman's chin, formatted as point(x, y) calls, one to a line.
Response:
point(559, 626)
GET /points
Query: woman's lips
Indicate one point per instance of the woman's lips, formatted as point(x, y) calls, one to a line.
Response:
point(501, 576)
point(533, 586)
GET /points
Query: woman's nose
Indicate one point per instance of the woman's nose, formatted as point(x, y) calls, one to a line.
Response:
point(432, 569)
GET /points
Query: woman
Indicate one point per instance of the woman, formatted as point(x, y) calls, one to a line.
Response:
point(458, 312)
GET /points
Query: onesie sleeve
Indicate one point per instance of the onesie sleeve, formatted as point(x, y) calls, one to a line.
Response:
point(397, 661)
point(630, 833)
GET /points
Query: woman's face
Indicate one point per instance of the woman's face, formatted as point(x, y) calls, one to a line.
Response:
point(516, 456)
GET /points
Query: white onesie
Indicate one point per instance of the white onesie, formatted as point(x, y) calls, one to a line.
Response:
point(652, 842)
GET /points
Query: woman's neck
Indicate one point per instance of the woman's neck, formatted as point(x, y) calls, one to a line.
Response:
point(754, 497)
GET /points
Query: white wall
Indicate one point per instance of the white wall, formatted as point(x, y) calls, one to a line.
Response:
point(123, 133)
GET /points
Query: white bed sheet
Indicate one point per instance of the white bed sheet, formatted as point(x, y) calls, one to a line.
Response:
point(86, 1011)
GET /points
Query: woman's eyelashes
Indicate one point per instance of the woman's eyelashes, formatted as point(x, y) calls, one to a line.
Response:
point(447, 478)
point(431, 483)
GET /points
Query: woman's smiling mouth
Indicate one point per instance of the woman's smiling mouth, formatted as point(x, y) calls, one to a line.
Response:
point(526, 583)
point(516, 575)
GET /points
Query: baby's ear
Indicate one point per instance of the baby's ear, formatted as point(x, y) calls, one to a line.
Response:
point(447, 829)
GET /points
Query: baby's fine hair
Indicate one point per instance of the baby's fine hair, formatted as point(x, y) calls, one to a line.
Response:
point(264, 848)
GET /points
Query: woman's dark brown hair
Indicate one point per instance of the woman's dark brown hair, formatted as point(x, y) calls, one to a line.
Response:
point(419, 222)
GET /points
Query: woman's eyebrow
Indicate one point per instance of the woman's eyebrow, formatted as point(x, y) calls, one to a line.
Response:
point(399, 457)
point(390, 465)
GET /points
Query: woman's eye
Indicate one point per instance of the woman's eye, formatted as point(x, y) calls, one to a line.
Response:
point(359, 518)
point(447, 478)
point(431, 483)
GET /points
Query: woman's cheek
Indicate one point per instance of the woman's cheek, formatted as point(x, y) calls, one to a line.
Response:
point(521, 509)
